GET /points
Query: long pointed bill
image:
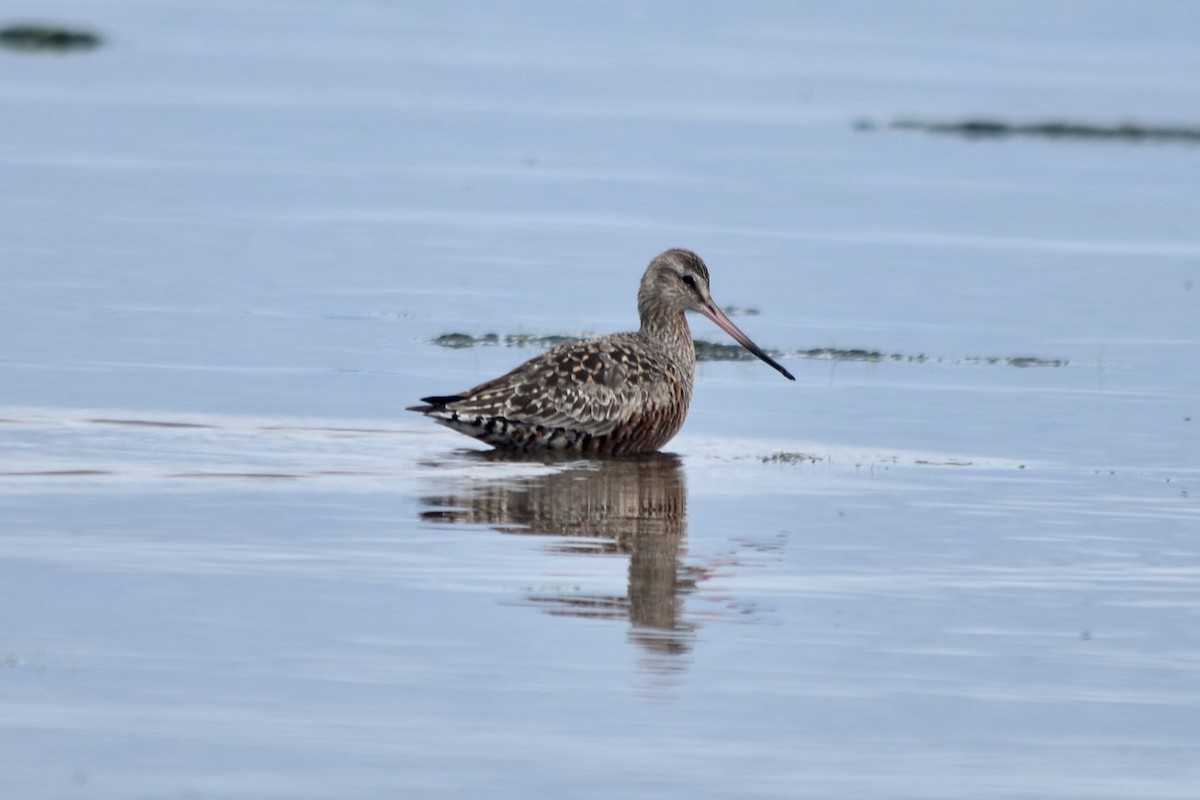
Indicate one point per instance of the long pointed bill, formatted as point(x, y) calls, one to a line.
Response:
point(713, 312)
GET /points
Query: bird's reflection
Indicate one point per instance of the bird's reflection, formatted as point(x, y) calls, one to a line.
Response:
point(633, 506)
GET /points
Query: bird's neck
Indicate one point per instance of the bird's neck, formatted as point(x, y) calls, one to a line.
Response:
point(670, 328)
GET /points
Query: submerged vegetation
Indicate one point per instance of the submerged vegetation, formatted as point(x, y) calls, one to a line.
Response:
point(789, 457)
point(457, 341)
point(46, 38)
point(724, 351)
point(1054, 129)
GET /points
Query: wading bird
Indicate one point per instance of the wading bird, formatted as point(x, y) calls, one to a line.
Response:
point(621, 394)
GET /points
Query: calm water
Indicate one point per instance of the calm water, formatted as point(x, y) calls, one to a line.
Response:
point(233, 567)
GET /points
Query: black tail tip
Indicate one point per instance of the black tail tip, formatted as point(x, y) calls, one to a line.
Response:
point(436, 403)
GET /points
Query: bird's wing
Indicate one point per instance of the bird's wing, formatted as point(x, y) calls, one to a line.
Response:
point(592, 386)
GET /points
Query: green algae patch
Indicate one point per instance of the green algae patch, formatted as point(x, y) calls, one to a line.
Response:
point(47, 39)
point(728, 351)
point(723, 351)
point(455, 341)
point(983, 128)
point(789, 457)
point(719, 351)
point(877, 356)
point(529, 340)
point(1019, 361)
point(459, 341)
point(843, 354)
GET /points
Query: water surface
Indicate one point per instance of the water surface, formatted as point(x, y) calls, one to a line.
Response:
point(233, 567)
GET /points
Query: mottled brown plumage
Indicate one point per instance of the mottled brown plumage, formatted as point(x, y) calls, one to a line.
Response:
point(621, 394)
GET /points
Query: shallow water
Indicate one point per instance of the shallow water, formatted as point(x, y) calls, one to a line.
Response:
point(234, 568)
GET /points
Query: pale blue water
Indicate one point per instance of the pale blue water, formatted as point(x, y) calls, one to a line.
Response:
point(233, 567)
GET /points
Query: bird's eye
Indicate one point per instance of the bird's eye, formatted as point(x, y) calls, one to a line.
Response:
point(689, 279)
